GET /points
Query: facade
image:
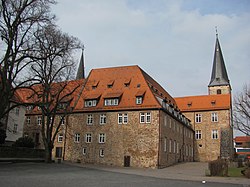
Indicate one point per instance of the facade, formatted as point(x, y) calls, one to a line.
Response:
point(242, 146)
point(211, 115)
point(123, 118)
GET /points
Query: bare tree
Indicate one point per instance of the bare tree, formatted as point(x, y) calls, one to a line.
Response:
point(19, 20)
point(241, 115)
point(55, 95)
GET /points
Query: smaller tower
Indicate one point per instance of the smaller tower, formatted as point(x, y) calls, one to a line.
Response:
point(80, 72)
point(219, 83)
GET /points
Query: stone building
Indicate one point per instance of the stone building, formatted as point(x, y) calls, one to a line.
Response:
point(211, 115)
point(124, 118)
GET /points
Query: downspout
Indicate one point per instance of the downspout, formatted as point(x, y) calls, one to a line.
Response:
point(65, 136)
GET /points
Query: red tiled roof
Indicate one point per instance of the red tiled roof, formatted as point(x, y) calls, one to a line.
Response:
point(204, 102)
point(242, 139)
point(127, 82)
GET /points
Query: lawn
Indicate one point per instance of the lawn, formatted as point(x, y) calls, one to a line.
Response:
point(235, 172)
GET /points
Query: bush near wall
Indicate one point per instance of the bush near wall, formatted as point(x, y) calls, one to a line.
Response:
point(20, 152)
point(218, 167)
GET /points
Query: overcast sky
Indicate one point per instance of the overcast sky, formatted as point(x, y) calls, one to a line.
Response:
point(172, 40)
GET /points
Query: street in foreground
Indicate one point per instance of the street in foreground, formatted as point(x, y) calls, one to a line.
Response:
point(41, 174)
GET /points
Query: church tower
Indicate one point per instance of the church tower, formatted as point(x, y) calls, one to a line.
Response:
point(219, 83)
point(80, 72)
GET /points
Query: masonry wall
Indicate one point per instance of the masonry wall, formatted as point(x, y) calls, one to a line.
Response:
point(176, 141)
point(138, 141)
point(207, 148)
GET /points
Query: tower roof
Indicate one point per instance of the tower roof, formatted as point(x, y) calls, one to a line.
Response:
point(80, 72)
point(219, 73)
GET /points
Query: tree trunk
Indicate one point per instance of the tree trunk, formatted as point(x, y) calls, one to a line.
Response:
point(48, 154)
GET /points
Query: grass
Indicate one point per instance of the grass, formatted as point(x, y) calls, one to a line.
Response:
point(235, 172)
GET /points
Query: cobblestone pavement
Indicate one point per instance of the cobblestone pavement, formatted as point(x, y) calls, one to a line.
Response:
point(190, 171)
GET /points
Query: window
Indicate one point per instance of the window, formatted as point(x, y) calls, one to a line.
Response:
point(198, 118)
point(103, 119)
point(174, 146)
point(28, 108)
point(139, 100)
point(198, 134)
point(62, 120)
point(17, 109)
point(165, 144)
point(170, 123)
point(77, 138)
point(101, 138)
point(84, 151)
point(39, 120)
point(122, 118)
point(28, 120)
point(170, 146)
point(219, 91)
point(119, 118)
point(214, 117)
point(214, 134)
point(38, 108)
point(90, 103)
point(101, 153)
point(148, 117)
point(58, 152)
point(177, 148)
point(90, 119)
point(111, 102)
point(60, 138)
point(145, 117)
point(142, 117)
point(88, 138)
point(15, 128)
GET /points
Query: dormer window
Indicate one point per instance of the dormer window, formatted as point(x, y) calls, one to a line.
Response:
point(111, 102)
point(189, 104)
point(139, 96)
point(219, 91)
point(139, 100)
point(127, 83)
point(110, 84)
point(90, 103)
point(94, 86)
point(213, 102)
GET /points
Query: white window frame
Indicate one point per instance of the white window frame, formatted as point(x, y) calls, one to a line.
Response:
point(148, 117)
point(60, 138)
point(103, 119)
point(77, 138)
point(198, 118)
point(101, 153)
point(142, 117)
point(198, 134)
point(174, 146)
point(90, 103)
point(120, 118)
point(111, 102)
point(139, 100)
point(88, 138)
point(125, 118)
point(102, 138)
point(39, 120)
point(28, 120)
point(84, 151)
point(215, 134)
point(90, 119)
point(214, 117)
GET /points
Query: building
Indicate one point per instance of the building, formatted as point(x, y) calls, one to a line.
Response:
point(242, 146)
point(211, 115)
point(123, 118)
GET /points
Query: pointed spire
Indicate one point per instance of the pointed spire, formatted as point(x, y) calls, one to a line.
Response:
point(219, 73)
point(80, 72)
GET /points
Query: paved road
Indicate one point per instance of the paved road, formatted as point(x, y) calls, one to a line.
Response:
point(62, 175)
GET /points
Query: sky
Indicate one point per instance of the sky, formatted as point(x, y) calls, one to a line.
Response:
point(172, 40)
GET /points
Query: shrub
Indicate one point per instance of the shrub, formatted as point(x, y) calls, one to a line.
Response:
point(218, 167)
point(247, 173)
point(240, 163)
point(24, 142)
